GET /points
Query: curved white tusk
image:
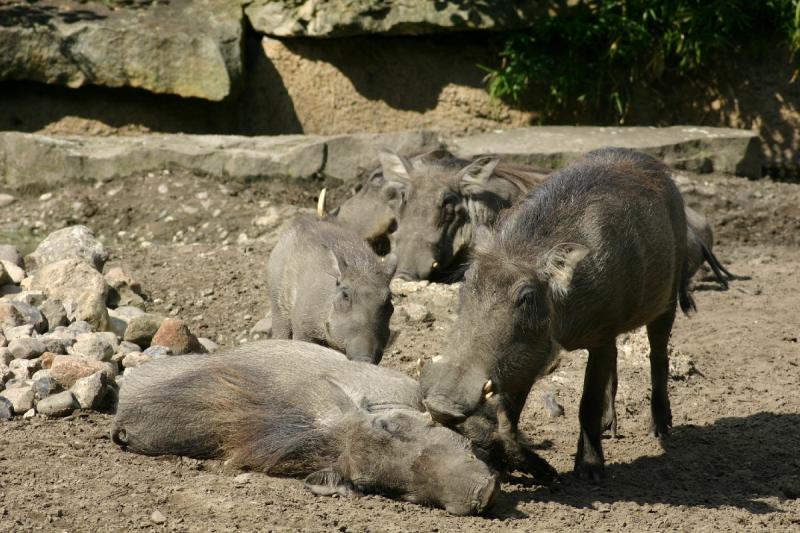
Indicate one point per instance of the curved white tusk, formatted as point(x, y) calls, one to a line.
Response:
point(435, 265)
point(321, 203)
point(488, 391)
point(420, 363)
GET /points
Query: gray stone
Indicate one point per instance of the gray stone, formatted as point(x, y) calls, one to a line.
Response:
point(141, 329)
point(8, 290)
point(5, 375)
point(243, 478)
point(11, 316)
point(11, 254)
point(263, 326)
point(81, 289)
point(93, 346)
point(18, 332)
point(74, 242)
point(79, 326)
point(44, 387)
point(30, 314)
point(198, 52)
point(5, 356)
point(209, 345)
point(57, 344)
point(21, 398)
point(26, 348)
point(123, 289)
point(684, 147)
point(60, 404)
point(14, 272)
point(6, 200)
point(6, 409)
point(134, 359)
point(34, 298)
point(89, 391)
point(24, 368)
point(414, 313)
point(126, 347)
point(340, 18)
point(551, 405)
point(54, 313)
point(119, 318)
point(157, 517)
point(30, 413)
point(157, 352)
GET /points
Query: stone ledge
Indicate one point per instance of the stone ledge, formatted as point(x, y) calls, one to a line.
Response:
point(27, 158)
point(695, 148)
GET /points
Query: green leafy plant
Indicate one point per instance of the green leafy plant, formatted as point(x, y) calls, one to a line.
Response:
point(594, 53)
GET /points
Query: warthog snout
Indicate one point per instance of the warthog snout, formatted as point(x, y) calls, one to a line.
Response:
point(443, 410)
point(483, 498)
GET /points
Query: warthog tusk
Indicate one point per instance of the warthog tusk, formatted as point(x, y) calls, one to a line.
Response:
point(435, 265)
point(321, 203)
point(487, 389)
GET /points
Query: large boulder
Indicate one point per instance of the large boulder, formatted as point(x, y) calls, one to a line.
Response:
point(73, 242)
point(191, 48)
point(81, 289)
point(338, 18)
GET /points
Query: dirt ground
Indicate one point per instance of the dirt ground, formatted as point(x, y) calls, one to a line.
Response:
point(732, 463)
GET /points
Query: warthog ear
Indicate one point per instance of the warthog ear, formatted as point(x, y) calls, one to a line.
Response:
point(558, 265)
point(389, 265)
point(396, 168)
point(327, 482)
point(473, 178)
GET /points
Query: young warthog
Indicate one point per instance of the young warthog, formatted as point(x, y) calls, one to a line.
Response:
point(327, 286)
point(597, 250)
point(290, 408)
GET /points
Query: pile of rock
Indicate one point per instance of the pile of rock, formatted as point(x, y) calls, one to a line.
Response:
point(68, 332)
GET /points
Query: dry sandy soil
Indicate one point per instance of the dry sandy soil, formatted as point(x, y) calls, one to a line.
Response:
point(732, 463)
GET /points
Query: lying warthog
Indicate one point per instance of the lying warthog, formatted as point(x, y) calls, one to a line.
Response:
point(598, 250)
point(291, 408)
point(327, 286)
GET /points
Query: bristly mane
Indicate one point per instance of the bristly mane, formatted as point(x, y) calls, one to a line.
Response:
point(259, 434)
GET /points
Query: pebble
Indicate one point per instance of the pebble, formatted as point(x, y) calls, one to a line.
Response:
point(15, 273)
point(30, 297)
point(175, 335)
point(60, 404)
point(158, 517)
point(11, 316)
point(11, 254)
point(54, 312)
point(414, 313)
point(134, 359)
point(5, 356)
point(243, 479)
point(209, 345)
point(73, 242)
point(551, 405)
point(141, 329)
point(29, 314)
point(57, 344)
point(67, 369)
point(30, 413)
point(93, 346)
point(44, 386)
point(6, 409)
point(21, 398)
point(6, 199)
point(26, 348)
point(18, 332)
point(263, 326)
point(157, 352)
point(89, 391)
point(23, 368)
point(46, 196)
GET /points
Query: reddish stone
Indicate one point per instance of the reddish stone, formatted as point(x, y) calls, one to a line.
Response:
point(175, 335)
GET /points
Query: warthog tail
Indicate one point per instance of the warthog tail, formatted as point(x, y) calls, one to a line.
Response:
point(684, 298)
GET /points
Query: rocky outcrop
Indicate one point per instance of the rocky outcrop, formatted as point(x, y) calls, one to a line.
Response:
point(341, 18)
point(191, 48)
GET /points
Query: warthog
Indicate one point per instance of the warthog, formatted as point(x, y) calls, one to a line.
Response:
point(327, 286)
point(598, 250)
point(444, 200)
point(289, 408)
point(424, 242)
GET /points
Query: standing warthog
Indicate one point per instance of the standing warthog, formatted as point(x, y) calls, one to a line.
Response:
point(327, 286)
point(598, 250)
point(289, 408)
point(432, 238)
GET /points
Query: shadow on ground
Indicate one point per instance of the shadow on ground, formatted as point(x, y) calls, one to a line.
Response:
point(734, 462)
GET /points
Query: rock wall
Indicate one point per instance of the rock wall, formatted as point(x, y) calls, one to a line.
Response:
point(266, 67)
